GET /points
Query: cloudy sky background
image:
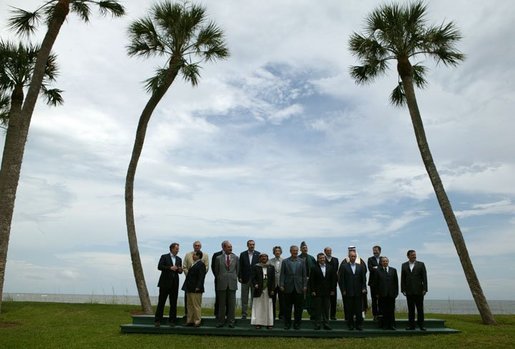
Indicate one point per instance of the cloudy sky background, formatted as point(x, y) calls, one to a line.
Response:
point(276, 144)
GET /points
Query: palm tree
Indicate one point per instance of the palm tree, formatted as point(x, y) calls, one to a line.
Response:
point(17, 65)
point(181, 34)
point(400, 33)
point(54, 13)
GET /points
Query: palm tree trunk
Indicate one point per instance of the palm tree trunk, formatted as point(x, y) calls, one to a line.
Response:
point(137, 267)
point(9, 177)
point(17, 133)
point(445, 205)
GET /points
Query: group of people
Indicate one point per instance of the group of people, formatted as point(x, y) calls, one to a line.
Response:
point(278, 287)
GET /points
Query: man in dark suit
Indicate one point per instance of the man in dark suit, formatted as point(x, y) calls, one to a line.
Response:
point(170, 265)
point(213, 260)
point(226, 274)
point(293, 283)
point(322, 285)
point(414, 287)
point(333, 261)
point(194, 287)
point(352, 280)
point(247, 259)
point(387, 287)
point(373, 263)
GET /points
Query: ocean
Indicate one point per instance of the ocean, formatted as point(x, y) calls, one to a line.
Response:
point(438, 306)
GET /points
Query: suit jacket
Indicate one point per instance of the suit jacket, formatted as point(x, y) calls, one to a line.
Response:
point(213, 260)
point(226, 277)
point(334, 263)
point(414, 282)
point(195, 278)
point(352, 284)
point(322, 285)
point(257, 280)
point(387, 283)
point(168, 278)
point(245, 267)
point(371, 263)
point(293, 275)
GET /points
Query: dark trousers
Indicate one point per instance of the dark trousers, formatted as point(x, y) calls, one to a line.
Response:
point(226, 306)
point(415, 301)
point(387, 306)
point(353, 311)
point(376, 309)
point(164, 294)
point(296, 300)
point(278, 303)
point(320, 306)
point(333, 301)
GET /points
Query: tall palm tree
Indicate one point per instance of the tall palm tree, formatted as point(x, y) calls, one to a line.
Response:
point(182, 35)
point(400, 33)
point(17, 65)
point(53, 13)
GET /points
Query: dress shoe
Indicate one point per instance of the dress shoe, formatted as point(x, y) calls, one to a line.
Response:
point(359, 328)
point(392, 328)
point(157, 324)
point(258, 327)
point(231, 325)
point(327, 327)
point(244, 317)
point(317, 327)
point(410, 328)
point(351, 328)
point(287, 327)
point(219, 325)
point(422, 328)
point(296, 327)
point(269, 327)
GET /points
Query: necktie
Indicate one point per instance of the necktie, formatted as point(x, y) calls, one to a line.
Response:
point(227, 261)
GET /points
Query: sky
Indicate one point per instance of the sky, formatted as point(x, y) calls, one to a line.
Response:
point(276, 144)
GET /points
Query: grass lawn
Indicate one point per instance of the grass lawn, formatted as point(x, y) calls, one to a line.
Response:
point(58, 325)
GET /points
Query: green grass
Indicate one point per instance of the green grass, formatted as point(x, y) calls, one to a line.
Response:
point(57, 325)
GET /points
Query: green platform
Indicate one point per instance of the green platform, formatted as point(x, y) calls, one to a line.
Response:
point(145, 324)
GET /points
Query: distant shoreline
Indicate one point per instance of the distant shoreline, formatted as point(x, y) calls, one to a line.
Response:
point(439, 306)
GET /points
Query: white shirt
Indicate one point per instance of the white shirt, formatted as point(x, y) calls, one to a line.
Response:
point(322, 267)
point(412, 265)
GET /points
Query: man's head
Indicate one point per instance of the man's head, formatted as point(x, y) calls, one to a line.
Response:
point(384, 261)
point(328, 251)
point(251, 245)
point(294, 251)
point(227, 247)
point(197, 246)
point(412, 256)
point(277, 250)
point(197, 255)
point(352, 256)
point(321, 258)
point(303, 247)
point(174, 248)
point(376, 251)
point(263, 258)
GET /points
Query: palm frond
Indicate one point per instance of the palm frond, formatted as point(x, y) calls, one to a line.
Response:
point(5, 106)
point(144, 39)
point(419, 72)
point(112, 7)
point(81, 8)
point(53, 96)
point(191, 73)
point(24, 22)
point(397, 97)
point(154, 83)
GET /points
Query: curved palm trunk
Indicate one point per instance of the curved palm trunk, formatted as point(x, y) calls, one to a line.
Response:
point(17, 133)
point(129, 190)
point(404, 69)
